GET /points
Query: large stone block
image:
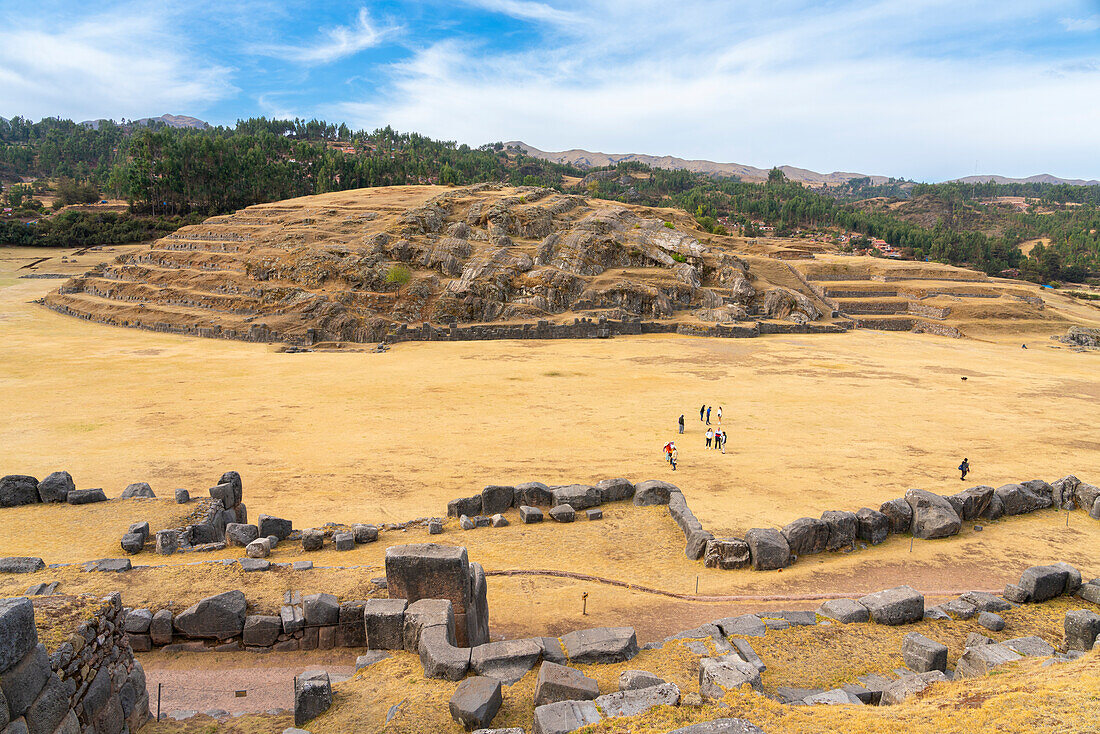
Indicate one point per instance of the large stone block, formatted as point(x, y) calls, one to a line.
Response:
point(506, 661)
point(601, 645)
point(56, 487)
point(1030, 646)
point(18, 489)
point(768, 548)
point(1043, 582)
point(806, 536)
point(216, 617)
point(138, 621)
point(312, 696)
point(978, 660)
point(352, 631)
point(653, 492)
point(845, 611)
point(439, 657)
point(637, 702)
point(423, 614)
point(364, 533)
point(18, 635)
point(1086, 495)
point(614, 490)
point(1082, 626)
point(532, 494)
point(225, 494)
point(718, 676)
point(971, 503)
point(21, 564)
point(578, 496)
point(240, 534)
point(842, 529)
point(477, 610)
point(872, 526)
point(262, 630)
point(696, 544)
point(933, 516)
point(476, 701)
point(560, 683)
point(468, 506)
point(137, 490)
point(49, 709)
point(496, 498)
point(529, 515)
point(563, 513)
point(85, 496)
point(900, 605)
point(565, 716)
point(321, 610)
point(633, 680)
point(745, 625)
point(168, 542)
point(909, 685)
point(312, 540)
point(276, 526)
point(292, 618)
point(720, 726)
point(899, 513)
point(1018, 499)
point(922, 654)
point(726, 553)
point(22, 682)
point(161, 626)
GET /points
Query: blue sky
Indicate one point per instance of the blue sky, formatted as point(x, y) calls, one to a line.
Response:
point(926, 89)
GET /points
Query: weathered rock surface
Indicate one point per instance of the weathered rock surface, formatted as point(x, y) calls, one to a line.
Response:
point(138, 489)
point(56, 487)
point(717, 676)
point(533, 494)
point(85, 496)
point(768, 548)
point(807, 535)
point(726, 553)
point(922, 654)
point(21, 564)
point(1043, 582)
point(911, 685)
point(18, 489)
point(1019, 499)
point(613, 490)
point(980, 659)
point(971, 503)
point(900, 605)
point(506, 661)
point(601, 645)
point(476, 701)
point(632, 680)
point(720, 726)
point(529, 515)
point(653, 492)
point(635, 702)
point(1082, 626)
point(312, 696)
point(563, 513)
point(845, 611)
point(842, 529)
point(899, 513)
point(933, 516)
point(496, 499)
point(560, 683)
point(564, 717)
point(872, 526)
point(384, 623)
point(216, 617)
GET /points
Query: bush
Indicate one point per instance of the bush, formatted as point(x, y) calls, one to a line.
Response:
point(670, 225)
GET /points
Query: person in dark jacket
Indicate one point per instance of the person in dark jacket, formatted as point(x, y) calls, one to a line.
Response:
point(964, 468)
point(708, 416)
point(681, 423)
point(702, 409)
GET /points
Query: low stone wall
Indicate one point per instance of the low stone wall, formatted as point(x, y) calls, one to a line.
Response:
point(931, 312)
point(90, 682)
point(931, 327)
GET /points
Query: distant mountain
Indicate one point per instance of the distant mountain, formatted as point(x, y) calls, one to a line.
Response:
point(1045, 178)
point(588, 159)
point(169, 120)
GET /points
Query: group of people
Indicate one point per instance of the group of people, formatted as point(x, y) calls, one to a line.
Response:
point(716, 438)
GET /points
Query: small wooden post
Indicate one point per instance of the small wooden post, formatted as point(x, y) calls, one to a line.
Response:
point(584, 602)
point(159, 685)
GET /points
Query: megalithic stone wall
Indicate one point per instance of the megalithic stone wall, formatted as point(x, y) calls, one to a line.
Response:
point(432, 571)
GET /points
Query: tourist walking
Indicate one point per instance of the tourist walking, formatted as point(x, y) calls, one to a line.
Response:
point(681, 423)
point(725, 437)
point(964, 468)
point(717, 439)
point(708, 416)
point(702, 409)
point(719, 415)
point(668, 452)
point(710, 436)
point(673, 456)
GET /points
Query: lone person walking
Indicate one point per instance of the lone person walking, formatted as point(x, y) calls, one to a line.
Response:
point(719, 415)
point(681, 423)
point(708, 416)
point(673, 456)
point(964, 468)
point(702, 409)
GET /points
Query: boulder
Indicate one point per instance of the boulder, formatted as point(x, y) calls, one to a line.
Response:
point(842, 529)
point(872, 526)
point(636, 702)
point(746, 625)
point(142, 528)
point(959, 609)
point(564, 717)
point(168, 542)
point(312, 540)
point(438, 655)
point(726, 553)
point(233, 479)
point(506, 661)
point(466, 523)
point(137, 489)
point(996, 509)
point(806, 536)
point(563, 513)
point(1073, 578)
point(718, 676)
point(312, 696)
point(922, 654)
point(745, 651)
point(496, 499)
point(720, 726)
point(138, 621)
point(18, 489)
point(696, 543)
point(85, 496)
point(261, 630)
point(363, 533)
point(343, 541)
point(468, 506)
point(985, 602)
point(425, 613)
point(259, 548)
point(500, 521)
point(1031, 646)
point(224, 494)
point(528, 514)
point(1018, 499)
point(56, 487)
point(17, 630)
point(593, 514)
point(632, 680)
point(240, 534)
point(1086, 495)
point(899, 605)
point(278, 527)
point(182, 496)
point(370, 658)
point(600, 645)
point(161, 626)
point(21, 564)
point(933, 516)
point(974, 638)
point(49, 708)
point(22, 681)
point(899, 513)
point(551, 650)
point(909, 685)
point(476, 701)
point(435, 527)
point(614, 490)
point(1082, 626)
point(768, 549)
point(384, 623)
point(837, 696)
point(845, 611)
point(969, 504)
point(1090, 592)
point(1016, 594)
point(532, 494)
point(218, 617)
point(991, 621)
point(978, 660)
point(1062, 491)
point(1039, 487)
point(320, 610)
point(653, 492)
point(560, 683)
point(577, 496)
point(107, 565)
point(1043, 582)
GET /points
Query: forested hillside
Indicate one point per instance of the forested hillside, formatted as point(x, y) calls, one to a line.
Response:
point(176, 175)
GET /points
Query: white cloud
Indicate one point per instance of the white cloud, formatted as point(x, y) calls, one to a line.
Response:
point(898, 88)
point(528, 10)
point(333, 44)
point(1082, 25)
point(110, 65)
